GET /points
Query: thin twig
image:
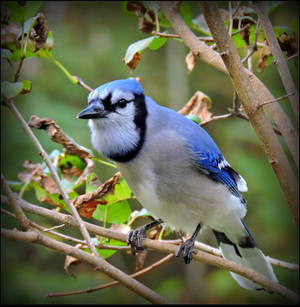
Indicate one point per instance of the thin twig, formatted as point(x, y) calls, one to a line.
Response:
point(114, 283)
point(65, 237)
point(279, 58)
point(275, 100)
point(81, 83)
point(17, 74)
point(293, 56)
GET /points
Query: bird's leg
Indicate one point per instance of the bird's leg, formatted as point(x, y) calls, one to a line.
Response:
point(187, 247)
point(135, 236)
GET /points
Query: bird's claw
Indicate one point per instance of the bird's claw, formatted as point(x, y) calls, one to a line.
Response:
point(135, 237)
point(187, 249)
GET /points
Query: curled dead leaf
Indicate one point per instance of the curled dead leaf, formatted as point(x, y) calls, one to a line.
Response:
point(134, 62)
point(190, 60)
point(198, 105)
point(57, 136)
point(40, 31)
point(263, 56)
point(72, 261)
point(88, 202)
point(34, 172)
point(88, 208)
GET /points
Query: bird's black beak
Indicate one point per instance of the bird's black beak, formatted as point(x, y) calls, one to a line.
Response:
point(91, 112)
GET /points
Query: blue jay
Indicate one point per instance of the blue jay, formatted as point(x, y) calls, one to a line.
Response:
point(176, 171)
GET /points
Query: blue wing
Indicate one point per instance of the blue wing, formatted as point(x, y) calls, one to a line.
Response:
point(206, 154)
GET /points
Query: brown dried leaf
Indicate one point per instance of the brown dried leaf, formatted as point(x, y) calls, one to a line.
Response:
point(85, 201)
point(263, 56)
point(40, 31)
point(190, 60)
point(34, 172)
point(134, 62)
point(288, 43)
point(88, 170)
point(145, 26)
point(72, 261)
point(58, 136)
point(88, 208)
point(198, 105)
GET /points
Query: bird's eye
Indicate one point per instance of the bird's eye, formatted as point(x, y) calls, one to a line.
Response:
point(122, 103)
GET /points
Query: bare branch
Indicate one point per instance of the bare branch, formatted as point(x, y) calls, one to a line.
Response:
point(279, 58)
point(66, 249)
point(275, 100)
point(22, 219)
point(114, 283)
point(81, 83)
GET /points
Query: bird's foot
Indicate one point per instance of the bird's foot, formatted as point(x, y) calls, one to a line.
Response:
point(186, 249)
point(135, 236)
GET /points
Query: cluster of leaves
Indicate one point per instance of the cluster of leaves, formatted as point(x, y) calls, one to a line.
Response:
point(151, 18)
point(24, 34)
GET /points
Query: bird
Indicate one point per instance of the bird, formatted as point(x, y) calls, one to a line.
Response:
point(176, 171)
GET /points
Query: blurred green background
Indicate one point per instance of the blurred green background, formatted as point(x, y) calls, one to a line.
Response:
point(90, 40)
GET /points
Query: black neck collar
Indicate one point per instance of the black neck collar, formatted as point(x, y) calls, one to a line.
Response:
point(140, 123)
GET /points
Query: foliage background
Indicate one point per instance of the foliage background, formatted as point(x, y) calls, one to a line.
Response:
point(90, 41)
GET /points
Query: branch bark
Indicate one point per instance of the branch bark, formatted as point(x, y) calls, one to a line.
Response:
point(213, 58)
point(166, 248)
point(250, 90)
point(280, 60)
point(113, 272)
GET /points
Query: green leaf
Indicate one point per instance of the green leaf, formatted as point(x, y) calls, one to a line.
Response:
point(28, 25)
point(6, 54)
point(27, 86)
point(17, 12)
point(18, 185)
point(194, 118)
point(157, 43)
point(185, 11)
point(295, 26)
point(66, 160)
point(105, 253)
point(137, 47)
point(31, 8)
point(90, 187)
point(11, 89)
point(121, 192)
point(117, 213)
point(20, 12)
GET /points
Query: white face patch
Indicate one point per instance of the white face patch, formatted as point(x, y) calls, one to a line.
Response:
point(119, 94)
point(117, 133)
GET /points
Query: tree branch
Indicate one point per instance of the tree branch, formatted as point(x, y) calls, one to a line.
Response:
point(66, 249)
point(213, 58)
point(280, 60)
point(250, 99)
point(114, 283)
point(166, 248)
